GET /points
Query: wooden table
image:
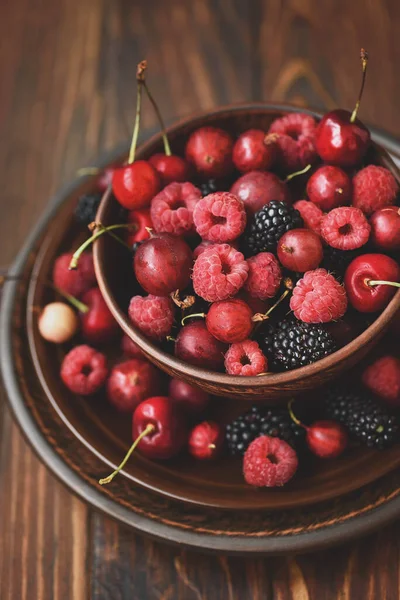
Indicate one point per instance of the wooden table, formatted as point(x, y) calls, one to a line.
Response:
point(67, 93)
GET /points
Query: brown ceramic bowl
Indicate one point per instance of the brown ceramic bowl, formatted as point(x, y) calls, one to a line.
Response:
point(115, 277)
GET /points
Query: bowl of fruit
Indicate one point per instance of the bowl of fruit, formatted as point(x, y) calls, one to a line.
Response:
point(262, 253)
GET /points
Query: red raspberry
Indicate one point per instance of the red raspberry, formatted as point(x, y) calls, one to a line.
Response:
point(383, 379)
point(373, 188)
point(311, 215)
point(153, 315)
point(84, 370)
point(219, 272)
point(78, 281)
point(172, 209)
point(295, 141)
point(269, 462)
point(130, 347)
point(265, 276)
point(131, 382)
point(345, 228)
point(219, 217)
point(318, 298)
point(206, 244)
point(245, 359)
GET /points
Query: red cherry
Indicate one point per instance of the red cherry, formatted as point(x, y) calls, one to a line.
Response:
point(370, 281)
point(209, 149)
point(385, 228)
point(169, 433)
point(198, 347)
point(170, 168)
point(300, 250)
point(341, 139)
point(250, 152)
point(142, 219)
point(136, 184)
point(130, 348)
point(105, 179)
point(329, 187)
point(163, 264)
point(205, 440)
point(189, 398)
point(230, 320)
point(326, 439)
point(130, 382)
point(98, 325)
point(256, 189)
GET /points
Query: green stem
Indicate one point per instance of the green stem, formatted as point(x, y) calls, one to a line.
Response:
point(364, 62)
point(372, 282)
point(200, 315)
point(71, 299)
point(136, 126)
point(88, 171)
point(149, 428)
point(76, 256)
point(167, 148)
point(292, 415)
point(292, 175)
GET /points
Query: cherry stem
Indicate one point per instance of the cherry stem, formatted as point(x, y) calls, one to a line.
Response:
point(148, 429)
point(262, 317)
point(211, 446)
point(200, 315)
point(101, 230)
point(139, 78)
point(170, 338)
point(293, 416)
point(187, 302)
point(373, 282)
point(292, 175)
point(88, 171)
point(167, 148)
point(364, 63)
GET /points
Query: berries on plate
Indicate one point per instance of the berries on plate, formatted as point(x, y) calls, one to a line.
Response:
point(371, 281)
point(230, 320)
point(345, 228)
point(295, 140)
point(209, 150)
point(311, 214)
point(269, 462)
point(84, 370)
point(219, 217)
point(268, 226)
point(318, 298)
point(205, 440)
point(58, 322)
point(130, 382)
point(245, 359)
point(373, 188)
point(196, 346)
point(385, 229)
point(219, 272)
point(382, 378)
point(300, 250)
point(264, 276)
point(257, 188)
point(329, 187)
point(77, 281)
point(172, 208)
point(251, 152)
point(152, 315)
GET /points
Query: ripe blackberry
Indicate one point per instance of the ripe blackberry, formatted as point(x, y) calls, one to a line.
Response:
point(269, 224)
point(337, 261)
point(293, 344)
point(364, 418)
point(209, 187)
point(86, 209)
point(274, 422)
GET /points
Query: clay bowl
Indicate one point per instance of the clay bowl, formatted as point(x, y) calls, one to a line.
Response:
point(114, 273)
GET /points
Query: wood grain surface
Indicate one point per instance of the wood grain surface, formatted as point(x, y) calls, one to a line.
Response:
point(67, 93)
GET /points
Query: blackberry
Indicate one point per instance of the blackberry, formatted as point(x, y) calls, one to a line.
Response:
point(274, 422)
point(268, 226)
point(209, 187)
point(293, 344)
point(86, 209)
point(365, 419)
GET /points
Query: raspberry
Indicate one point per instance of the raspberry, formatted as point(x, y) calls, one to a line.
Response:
point(373, 188)
point(345, 228)
point(153, 315)
point(318, 298)
point(311, 214)
point(75, 282)
point(245, 359)
point(383, 379)
point(219, 272)
point(295, 141)
point(206, 244)
point(172, 208)
point(269, 462)
point(265, 276)
point(84, 370)
point(219, 217)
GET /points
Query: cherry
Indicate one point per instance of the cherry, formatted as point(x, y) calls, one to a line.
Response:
point(130, 348)
point(205, 440)
point(198, 347)
point(163, 264)
point(370, 281)
point(130, 382)
point(159, 431)
point(98, 325)
point(329, 187)
point(105, 179)
point(251, 152)
point(230, 320)
point(142, 220)
point(385, 228)
point(209, 149)
point(135, 184)
point(342, 139)
point(300, 250)
point(326, 439)
point(58, 323)
point(256, 189)
point(189, 398)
